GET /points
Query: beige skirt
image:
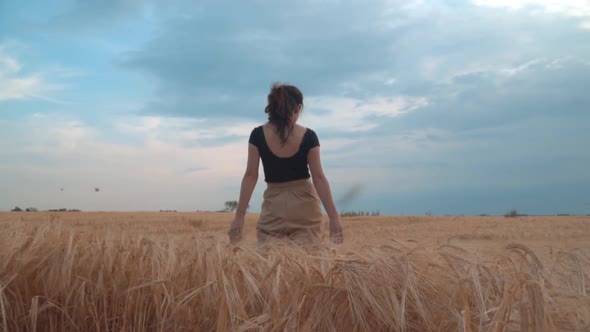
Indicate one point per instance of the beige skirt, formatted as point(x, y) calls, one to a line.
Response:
point(290, 211)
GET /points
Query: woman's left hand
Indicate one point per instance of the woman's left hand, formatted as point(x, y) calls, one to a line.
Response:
point(336, 234)
point(235, 230)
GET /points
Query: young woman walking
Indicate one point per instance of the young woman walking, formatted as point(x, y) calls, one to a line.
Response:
point(292, 203)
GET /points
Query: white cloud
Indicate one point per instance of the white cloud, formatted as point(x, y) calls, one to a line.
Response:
point(511, 71)
point(502, 69)
point(573, 8)
point(569, 7)
point(8, 65)
point(16, 85)
point(70, 135)
point(336, 144)
point(390, 81)
point(150, 174)
point(183, 131)
point(158, 171)
point(19, 88)
point(347, 114)
point(339, 114)
point(392, 106)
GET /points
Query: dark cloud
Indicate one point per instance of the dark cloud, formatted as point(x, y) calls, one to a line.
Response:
point(484, 100)
point(222, 59)
point(218, 60)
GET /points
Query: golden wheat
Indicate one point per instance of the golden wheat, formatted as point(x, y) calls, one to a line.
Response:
point(60, 274)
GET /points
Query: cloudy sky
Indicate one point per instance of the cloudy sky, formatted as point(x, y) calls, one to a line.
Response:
point(453, 107)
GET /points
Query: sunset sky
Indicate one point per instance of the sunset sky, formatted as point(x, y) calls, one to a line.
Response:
point(453, 107)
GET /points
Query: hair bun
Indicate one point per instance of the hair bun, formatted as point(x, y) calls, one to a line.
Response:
point(282, 102)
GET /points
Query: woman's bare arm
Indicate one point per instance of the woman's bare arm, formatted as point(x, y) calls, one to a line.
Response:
point(322, 186)
point(249, 180)
point(320, 181)
point(248, 184)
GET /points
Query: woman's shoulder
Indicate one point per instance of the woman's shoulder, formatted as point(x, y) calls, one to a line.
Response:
point(256, 135)
point(258, 129)
point(311, 138)
point(305, 130)
point(310, 132)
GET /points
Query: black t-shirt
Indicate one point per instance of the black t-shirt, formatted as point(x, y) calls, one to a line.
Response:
point(277, 169)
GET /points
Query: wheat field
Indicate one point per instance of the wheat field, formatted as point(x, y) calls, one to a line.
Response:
point(176, 272)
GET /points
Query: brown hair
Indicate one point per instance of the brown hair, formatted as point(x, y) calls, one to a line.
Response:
point(282, 102)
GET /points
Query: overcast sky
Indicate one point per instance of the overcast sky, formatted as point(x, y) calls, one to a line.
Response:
point(453, 107)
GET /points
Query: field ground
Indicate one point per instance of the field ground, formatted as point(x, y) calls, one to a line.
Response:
point(167, 271)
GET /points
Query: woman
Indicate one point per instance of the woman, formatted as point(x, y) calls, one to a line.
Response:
point(291, 208)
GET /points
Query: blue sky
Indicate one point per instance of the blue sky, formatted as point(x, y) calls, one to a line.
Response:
point(453, 107)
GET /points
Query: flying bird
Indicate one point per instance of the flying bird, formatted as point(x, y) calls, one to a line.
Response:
point(96, 189)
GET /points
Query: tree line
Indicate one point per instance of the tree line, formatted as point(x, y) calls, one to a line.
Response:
point(32, 209)
point(360, 213)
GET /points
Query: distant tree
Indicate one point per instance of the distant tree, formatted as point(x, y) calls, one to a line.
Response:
point(231, 206)
point(511, 214)
point(17, 209)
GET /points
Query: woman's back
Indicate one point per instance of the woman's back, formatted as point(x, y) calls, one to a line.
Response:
point(284, 162)
point(291, 145)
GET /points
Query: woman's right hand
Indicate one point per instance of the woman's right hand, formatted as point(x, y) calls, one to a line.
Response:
point(235, 230)
point(336, 232)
